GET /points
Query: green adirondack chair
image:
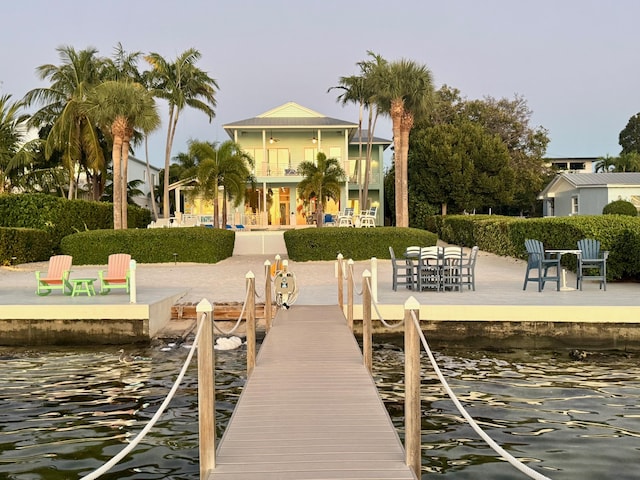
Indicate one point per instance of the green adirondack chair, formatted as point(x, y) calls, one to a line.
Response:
point(57, 276)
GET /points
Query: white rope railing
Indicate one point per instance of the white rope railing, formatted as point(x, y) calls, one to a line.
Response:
point(375, 306)
point(138, 438)
point(497, 448)
point(238, 321)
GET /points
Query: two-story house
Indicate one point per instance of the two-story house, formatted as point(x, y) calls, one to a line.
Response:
point(278, 141)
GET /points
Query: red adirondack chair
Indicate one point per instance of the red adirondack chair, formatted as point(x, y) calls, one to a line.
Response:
point(117, 274)
point(57, 277)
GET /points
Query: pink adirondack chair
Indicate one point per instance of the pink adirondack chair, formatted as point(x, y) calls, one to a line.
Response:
point(57, 277)
point(117, 274)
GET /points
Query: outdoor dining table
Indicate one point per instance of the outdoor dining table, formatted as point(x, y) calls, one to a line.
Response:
point(560, 252)
point(433, 268)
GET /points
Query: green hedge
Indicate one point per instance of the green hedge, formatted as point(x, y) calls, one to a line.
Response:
point(355, 243)
point(618, 234)
point(58, 217)
point(25, 244)
point(153, 245)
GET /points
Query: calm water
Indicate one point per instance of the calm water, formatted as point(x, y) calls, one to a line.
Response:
point(63, 413)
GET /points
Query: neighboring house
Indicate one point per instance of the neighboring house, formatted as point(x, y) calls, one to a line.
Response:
point(573, 164)
point(278, 141)
point(137, 170)
point(588, 193)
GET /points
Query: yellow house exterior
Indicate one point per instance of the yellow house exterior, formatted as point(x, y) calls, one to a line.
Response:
point(280, 139)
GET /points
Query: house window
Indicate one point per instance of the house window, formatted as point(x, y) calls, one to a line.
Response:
point(575, 210)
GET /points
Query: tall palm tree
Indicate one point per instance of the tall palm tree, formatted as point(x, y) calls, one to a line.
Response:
point(218, 165)
point(181, 84)
point(360, 89)
point(321, 181)
point(404, 91)
point(124, 107)
point(72, 133)
point(626, 162)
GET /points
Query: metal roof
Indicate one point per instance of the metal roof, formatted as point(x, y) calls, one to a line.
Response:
point(602, 179)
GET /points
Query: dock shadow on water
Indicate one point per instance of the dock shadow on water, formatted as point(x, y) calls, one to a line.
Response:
point(65, 412)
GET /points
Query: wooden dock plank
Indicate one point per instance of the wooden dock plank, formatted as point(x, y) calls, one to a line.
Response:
point(310, 410)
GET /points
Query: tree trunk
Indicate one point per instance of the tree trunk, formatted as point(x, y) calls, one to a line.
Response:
point(154, 207)
point(397, 109)
point(125, 178)
point(405, 128)
point(166, 209)
point(116, 156)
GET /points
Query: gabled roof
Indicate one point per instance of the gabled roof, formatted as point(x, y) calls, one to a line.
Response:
point(594, 180)
point(289, 115)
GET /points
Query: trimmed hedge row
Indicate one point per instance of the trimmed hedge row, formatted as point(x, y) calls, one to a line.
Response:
point(57, 217)
point(24, 244)
point(155, 245)
point(355, 243)
point(619, 234)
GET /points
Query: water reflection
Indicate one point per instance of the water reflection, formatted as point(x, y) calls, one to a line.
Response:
point(66, 412)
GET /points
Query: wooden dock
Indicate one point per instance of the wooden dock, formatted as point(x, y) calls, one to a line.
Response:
point(310, 409)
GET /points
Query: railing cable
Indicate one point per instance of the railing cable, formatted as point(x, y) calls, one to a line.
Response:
point(375, 306)
point(497, 448)
point(138, 438)
point(235, 327)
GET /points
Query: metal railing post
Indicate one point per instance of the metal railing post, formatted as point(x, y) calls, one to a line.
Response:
point(350, 293)
point(340, 281)
point(206, 389)
point(412, 410)
point(268, 311)
point(367, 341)
point(251, 322)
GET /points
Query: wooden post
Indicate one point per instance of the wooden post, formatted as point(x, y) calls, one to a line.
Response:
point(206, 389)
point(350, 293)
point(268, 311)
point(367, 341)
point(412, 411)
point(251, 322)
point(374, 279)
point(340, 281)
point(133, 288)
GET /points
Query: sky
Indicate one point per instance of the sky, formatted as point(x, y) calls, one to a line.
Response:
point(575, 62)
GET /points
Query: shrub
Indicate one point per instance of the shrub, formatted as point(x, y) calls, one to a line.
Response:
point(154, 245)
point(25, 244)
point(620, 207)
point(355, 243)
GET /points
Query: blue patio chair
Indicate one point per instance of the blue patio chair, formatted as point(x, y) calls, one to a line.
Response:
point(403, 271)
point(538, 265)
point(592, 262)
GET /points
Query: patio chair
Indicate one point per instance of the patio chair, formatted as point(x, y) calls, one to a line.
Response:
point(450, 269)
point(117, 274)
point(468, 270)
point(430, 269)
point(592, 260)
point(402, 270)
point(57, 277)
point(538, 265)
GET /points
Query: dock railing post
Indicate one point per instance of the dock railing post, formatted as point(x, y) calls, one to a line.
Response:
point(268, 311)
point(133, 289)
point(350, 293)
point(374, 279)
point(340, 281)
point(206, 389)
point(367, 341)
point(251, 322)
point(412, 411)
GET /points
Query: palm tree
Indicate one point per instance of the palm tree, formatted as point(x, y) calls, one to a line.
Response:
point(123, 106)
point(12, 132)
point(360, 89)
point(72, 133)
point(218, 165)
point(321, 181)
point(626, 162)
point(404, 91)
point(181, 84)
